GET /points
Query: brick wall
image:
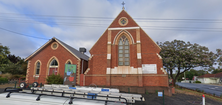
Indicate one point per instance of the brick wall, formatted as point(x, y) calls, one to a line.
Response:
point(153, 80)
point(149, 50)
point(45, 56)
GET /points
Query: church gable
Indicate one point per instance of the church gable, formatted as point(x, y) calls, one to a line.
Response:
point(123, 20)
point(100, 46)
point(125, 50)
point(147, 43)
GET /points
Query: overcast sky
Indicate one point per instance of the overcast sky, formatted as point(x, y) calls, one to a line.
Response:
point(80, 23)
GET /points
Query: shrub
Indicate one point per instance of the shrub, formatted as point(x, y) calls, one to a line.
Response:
point(147, 92)
point(198, 90)
point(156, 91)
point(202, 91)
point(3, 80)
point(197, 82)
point(7, 75)
point(16, 76)
point(54, 79)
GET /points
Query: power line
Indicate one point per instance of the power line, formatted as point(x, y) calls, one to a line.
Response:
point(44, 19)
point(104, 25)
point(145, 27)
point(22, 34)
point(88, 17)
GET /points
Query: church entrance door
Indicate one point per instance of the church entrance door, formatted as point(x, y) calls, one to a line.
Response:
point(53, 71)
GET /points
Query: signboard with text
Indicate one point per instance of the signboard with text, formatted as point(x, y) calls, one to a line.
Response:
point(149, 68)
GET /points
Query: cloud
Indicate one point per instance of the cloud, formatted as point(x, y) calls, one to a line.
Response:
point(69, 21)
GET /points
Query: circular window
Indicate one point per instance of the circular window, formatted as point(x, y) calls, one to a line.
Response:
point(123, 21)
point(54, 45)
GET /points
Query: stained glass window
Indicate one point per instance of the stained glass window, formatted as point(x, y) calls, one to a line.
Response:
point(68, 62)
point(54, 63)
point(123, 21)
point(123, 48)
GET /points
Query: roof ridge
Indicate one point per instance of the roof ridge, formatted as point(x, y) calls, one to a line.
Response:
point(84, 56)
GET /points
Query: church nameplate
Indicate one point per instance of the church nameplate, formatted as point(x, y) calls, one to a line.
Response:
point(149, 68)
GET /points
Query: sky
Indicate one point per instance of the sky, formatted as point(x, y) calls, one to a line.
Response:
point(26, 25)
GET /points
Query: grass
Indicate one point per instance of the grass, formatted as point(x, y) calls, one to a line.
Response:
point(192, 92)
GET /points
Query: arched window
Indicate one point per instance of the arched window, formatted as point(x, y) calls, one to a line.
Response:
point(53, 67)
point(68, 62)
point(37, 68)
point(123, 51)
point(54, 63)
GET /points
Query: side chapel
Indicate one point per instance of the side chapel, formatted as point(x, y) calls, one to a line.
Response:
point(56, 57)
point(125, 56)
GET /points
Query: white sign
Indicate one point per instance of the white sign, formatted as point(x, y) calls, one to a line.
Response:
point(160, 94)
point(149, 68)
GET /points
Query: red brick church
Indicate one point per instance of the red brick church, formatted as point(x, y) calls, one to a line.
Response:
point(125, 55)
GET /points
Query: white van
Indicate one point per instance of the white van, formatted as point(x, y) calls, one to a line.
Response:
point(64, 95)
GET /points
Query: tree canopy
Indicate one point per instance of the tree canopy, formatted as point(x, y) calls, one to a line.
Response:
point(4, 51)
point(179, 57)
point(10, 63)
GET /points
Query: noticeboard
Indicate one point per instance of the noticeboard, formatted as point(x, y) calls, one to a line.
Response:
point(149, 68)
point(70, 74)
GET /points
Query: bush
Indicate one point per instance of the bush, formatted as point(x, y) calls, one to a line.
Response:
point(7, 75)
point(17, 76)
point(197, 82)
point(198, 90)
point(202, 91)
point(3, 80)
point(54, 79)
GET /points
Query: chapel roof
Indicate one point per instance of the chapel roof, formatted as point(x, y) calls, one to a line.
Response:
point(72, 50)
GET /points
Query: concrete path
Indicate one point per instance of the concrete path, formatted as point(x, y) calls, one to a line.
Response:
point(211, 89)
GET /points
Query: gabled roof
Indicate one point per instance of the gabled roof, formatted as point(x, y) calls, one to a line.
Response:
point(218, 75)
point(70, 49)
point(123, 13)
point(207, 76)
point(73, 50)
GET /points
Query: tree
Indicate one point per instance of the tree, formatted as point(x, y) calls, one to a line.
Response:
point(191, 73)
point(16, 68)
point(179, 56)
point(216, 70)
point(10, 63)
point(13, 58)
point(4, 51)
point(219, 57)
point(218, 63)
point(202, 72)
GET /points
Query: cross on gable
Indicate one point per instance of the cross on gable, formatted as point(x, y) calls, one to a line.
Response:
point(123, 4)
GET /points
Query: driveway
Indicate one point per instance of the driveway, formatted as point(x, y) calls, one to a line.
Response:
point(211, 89)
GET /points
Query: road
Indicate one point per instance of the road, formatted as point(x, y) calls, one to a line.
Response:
point(211, 89)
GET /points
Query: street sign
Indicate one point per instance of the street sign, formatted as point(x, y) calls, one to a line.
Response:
point(160, 94)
